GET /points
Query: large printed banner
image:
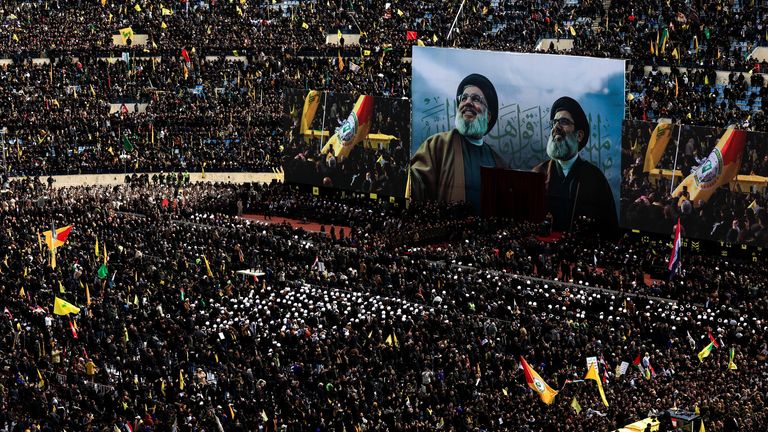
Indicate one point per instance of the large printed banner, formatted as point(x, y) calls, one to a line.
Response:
point(713, 179)
point(481, 108)
point(350, 142)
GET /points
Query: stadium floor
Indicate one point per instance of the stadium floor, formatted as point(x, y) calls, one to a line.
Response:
point(306, 225)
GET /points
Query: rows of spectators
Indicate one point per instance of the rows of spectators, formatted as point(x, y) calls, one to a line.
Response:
point(228, 115)
point(359, 331)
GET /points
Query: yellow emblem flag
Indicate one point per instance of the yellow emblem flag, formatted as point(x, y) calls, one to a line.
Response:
point(126, 33)
point(311, 102)
point(63, 307)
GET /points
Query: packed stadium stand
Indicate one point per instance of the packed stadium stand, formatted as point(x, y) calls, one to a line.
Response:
point(156, 303)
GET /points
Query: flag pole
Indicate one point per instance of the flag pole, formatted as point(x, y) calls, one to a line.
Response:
point(677, 149)
point(455, 19)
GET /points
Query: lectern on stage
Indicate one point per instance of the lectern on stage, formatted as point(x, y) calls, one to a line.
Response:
point(512, 193)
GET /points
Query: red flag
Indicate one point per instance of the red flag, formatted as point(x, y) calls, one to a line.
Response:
point(7, 312)
point(411, 35)
point(712, 338)
point(185, 54)
point(637, 360)
point(72, 327)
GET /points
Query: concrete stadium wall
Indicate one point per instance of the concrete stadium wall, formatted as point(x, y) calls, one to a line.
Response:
point(349, 39)
point(138, 40)
point(132, 107)
point(560, 44)
point(119, 178)
point(760, 53)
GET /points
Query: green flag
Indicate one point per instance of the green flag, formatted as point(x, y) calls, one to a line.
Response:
point(127, 144)
point(102, 272)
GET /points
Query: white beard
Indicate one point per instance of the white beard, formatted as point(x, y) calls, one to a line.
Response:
point(474, 129)
point(563, 149)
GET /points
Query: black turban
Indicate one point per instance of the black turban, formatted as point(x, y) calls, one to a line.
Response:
point(580, 121)
point(489, 92)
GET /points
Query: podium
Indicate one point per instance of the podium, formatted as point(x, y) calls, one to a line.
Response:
point(510, 193)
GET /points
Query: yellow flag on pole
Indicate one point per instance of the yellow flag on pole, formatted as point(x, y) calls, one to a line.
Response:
point(207, 266)
point(656, 145)
point(592, 374)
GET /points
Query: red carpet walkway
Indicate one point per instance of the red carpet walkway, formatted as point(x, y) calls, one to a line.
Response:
point(307, 226)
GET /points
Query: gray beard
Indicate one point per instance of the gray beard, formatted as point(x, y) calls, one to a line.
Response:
point(564, 149)
point(474, 129)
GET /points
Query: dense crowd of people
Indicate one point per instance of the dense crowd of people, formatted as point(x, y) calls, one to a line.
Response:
point(401, 318)
point(361, 330)
point(177, 101)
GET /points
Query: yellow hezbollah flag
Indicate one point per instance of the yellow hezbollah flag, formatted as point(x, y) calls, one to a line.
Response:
point(167, 11)
point(720, 167)
point(354, 129)
point(537, 384)
point(304, 25)
point(137, 8)
point(311, 102)
point(656, 145)
point(181, 380)
point(576, 406)
point(126, 33)
point(63, 307)
point(592, 375)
